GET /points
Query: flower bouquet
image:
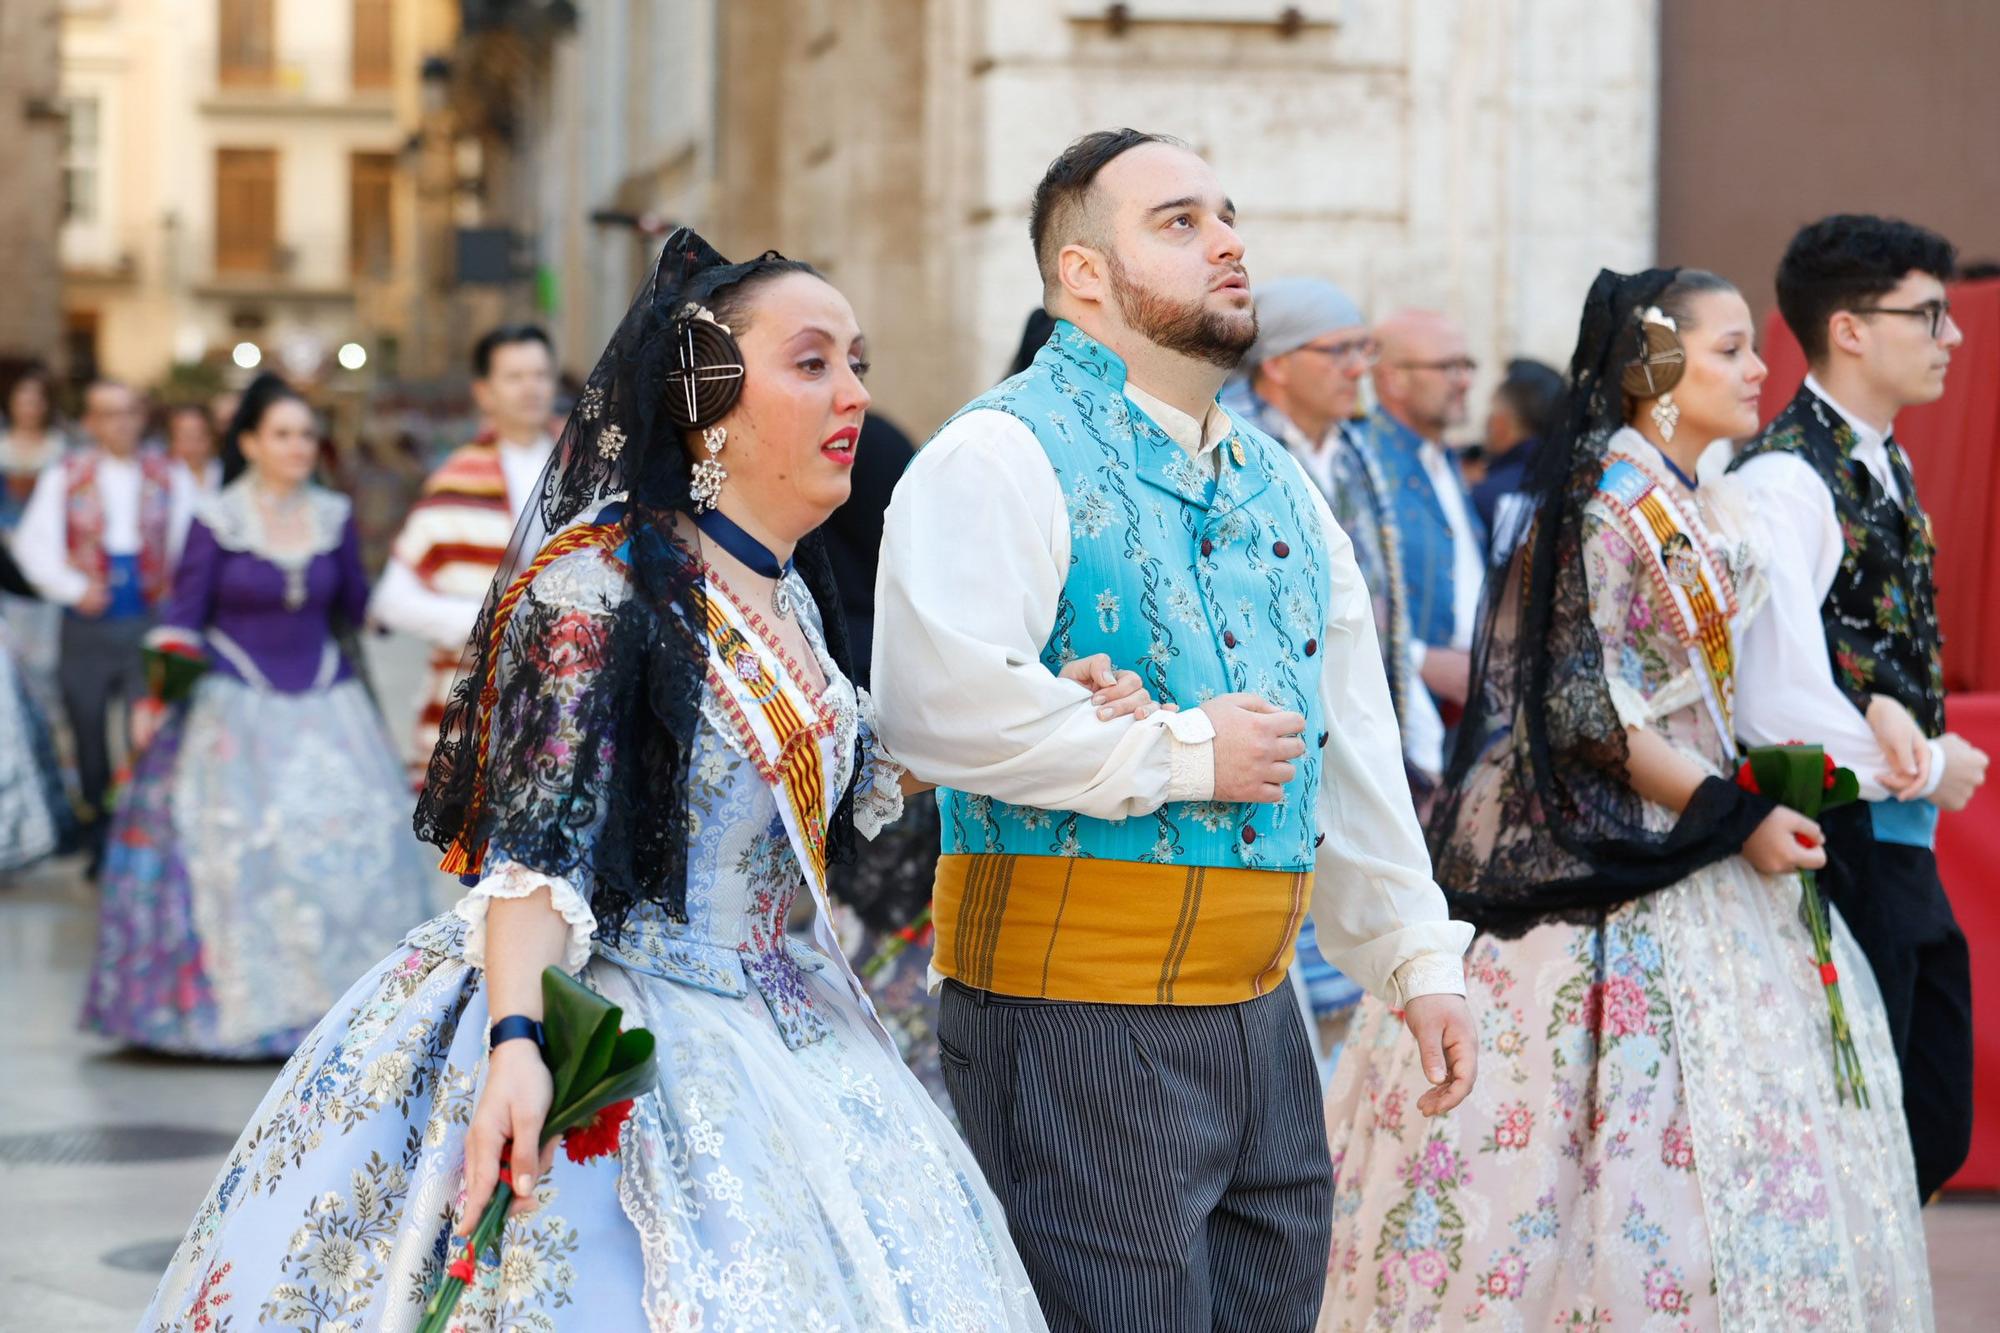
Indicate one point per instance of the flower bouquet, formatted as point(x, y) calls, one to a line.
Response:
point(1805, 778)
point(597, 1071)
point(918, 933)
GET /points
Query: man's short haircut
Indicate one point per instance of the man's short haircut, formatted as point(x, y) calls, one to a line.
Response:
point(1848, 260)
point(1056, 217)
point(506, 336)
point(1533, 391)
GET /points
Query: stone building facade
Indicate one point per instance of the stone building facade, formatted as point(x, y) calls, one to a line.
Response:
point(243, 177)
point(1480, 157)
point(31, 134)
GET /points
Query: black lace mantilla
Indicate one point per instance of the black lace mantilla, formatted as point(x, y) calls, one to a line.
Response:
point(580, 768)
point(1569, 839)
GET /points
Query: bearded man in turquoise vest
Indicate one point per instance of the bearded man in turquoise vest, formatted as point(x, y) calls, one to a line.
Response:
point(1118, 896)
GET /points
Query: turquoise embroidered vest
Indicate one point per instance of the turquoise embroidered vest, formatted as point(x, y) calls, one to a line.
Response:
point(1205, 584)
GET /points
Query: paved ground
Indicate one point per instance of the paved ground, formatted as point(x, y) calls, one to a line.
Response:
point(83, 1241)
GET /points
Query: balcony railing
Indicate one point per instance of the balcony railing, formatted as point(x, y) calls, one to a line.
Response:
point(322, 79)
point(317, 264)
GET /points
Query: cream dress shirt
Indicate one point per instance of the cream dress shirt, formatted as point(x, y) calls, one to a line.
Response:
point(1784, 675)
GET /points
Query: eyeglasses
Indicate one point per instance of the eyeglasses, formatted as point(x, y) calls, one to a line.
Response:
point(1459, 365)
point(1935, 313)
point(1364, 350)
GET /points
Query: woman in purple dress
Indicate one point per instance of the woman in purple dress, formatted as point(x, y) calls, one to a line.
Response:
point(261, 858)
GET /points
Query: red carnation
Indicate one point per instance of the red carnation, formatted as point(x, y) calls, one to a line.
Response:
point(1831, 769)
point(462, 1269)
point(597, 1136)
point(1746, 779)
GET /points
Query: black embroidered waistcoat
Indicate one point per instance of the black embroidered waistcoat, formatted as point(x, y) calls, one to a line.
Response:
point(1881, 613)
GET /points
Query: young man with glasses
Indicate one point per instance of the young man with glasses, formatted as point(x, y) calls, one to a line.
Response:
point(1421, 381)
point(1848, 650)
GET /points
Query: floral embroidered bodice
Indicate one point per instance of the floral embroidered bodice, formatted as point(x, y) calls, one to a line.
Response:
point(1651, 669)
point(744, 868)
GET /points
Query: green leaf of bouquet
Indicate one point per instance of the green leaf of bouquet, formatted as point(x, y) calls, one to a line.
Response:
point(634, 1049)
point(175, 674)
point(1792, 775)
point(1846, 789)
point(632, 1071)
point(615, 1087)
point(596, 1061)
point(572, 1013)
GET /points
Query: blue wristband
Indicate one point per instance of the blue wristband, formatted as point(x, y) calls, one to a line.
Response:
point(513, 1027)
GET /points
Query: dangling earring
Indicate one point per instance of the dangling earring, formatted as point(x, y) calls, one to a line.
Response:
point(709, 475)
point(1666, 415)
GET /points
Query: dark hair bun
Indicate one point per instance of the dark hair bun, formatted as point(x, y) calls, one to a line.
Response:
point(1658, 365)
point(705, 373)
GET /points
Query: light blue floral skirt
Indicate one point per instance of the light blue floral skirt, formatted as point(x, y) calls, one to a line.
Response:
point(759, 1187)
point(259, 861)
point(35, 814)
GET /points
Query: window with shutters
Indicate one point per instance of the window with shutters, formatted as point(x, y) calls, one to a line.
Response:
point(374, 43)
point(246, 210)
point(80, 159)
point(246, 45)
point(371, 236)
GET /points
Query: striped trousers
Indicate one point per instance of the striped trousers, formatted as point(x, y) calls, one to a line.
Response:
point(1164, 1167)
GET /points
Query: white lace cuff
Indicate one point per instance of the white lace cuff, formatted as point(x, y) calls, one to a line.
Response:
point(878, 788)
point(1190, 754)
point(878, 798)
point(1631, 706)
point(511, 879)
point(173, 638)
point(1429, 974)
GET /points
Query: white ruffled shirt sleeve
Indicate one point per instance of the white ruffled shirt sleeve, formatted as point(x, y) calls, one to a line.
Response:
point(510, 879)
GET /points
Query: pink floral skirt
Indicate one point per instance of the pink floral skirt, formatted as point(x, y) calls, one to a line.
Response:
point(1654, 1141)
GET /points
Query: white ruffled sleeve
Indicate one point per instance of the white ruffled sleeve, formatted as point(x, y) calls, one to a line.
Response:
point(878, 787)
point(511, 879)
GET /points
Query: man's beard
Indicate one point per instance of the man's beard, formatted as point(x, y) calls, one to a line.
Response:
point(1187, 327)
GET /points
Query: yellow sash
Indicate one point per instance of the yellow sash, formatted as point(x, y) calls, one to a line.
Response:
point(1115, 932)
point(779, 731)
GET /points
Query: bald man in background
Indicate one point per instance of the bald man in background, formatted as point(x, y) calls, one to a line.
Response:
point(1421, 381)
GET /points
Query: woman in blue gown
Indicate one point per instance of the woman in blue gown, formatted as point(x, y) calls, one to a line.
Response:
point(655, 751)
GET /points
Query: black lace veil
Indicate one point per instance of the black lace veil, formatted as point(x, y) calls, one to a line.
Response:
point(1536, 820)
point(590, 782)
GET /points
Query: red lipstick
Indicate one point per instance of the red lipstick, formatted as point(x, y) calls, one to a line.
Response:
point(840, 445)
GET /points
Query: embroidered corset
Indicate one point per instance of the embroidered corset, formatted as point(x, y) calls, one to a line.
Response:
point(1671, 587)
point(746, 857)
point(1205, 584)
point(1881, 613)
